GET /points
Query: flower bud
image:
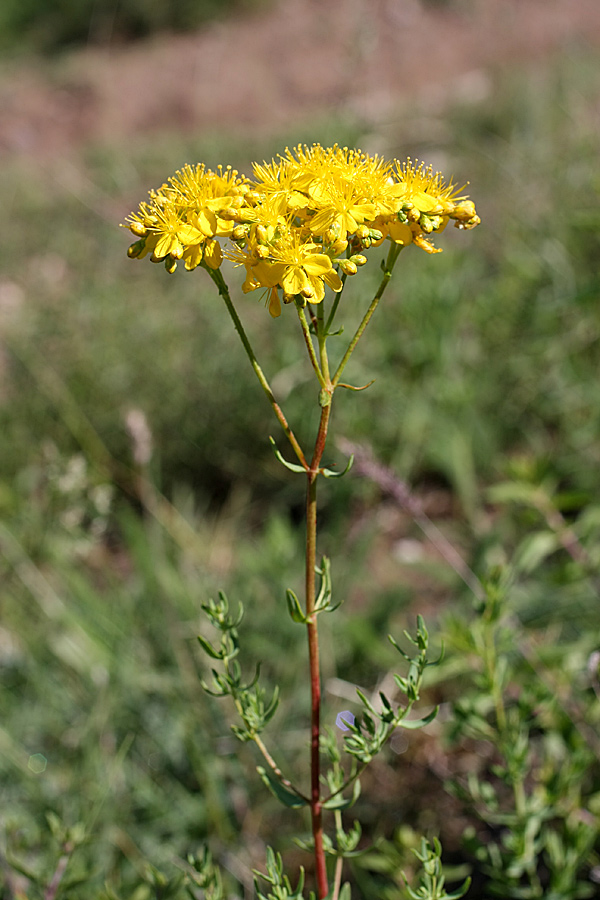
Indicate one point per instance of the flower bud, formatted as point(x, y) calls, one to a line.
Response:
point(426, 224)
point(362, 232)
point(262, 234)
point(135, 249)
point(464, 211)
point(262, 252)
point(170, 264)
point(331, 235)
point(347, 266)
point(358, 260)
point(239, 233)
point(338, 247)
point(138, 229)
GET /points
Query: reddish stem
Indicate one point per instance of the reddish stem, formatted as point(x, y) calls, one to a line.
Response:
point(313, 652)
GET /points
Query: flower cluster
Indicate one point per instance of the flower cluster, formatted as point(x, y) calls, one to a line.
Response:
point(303, 223)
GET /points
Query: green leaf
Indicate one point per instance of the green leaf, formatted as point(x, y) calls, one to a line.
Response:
point(209, 649)
point(414, 724)
point(340, 802)
point(534, 549)
point(514, 492)
point(329, 473)
point(294, 608)
point(285, 796)
point(293, 467)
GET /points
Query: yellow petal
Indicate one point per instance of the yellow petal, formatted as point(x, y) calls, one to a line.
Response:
point(424, 202)
point(193, 256)
point(269, 274)
point(213, 254)
point(322, 221)
point(206, 221)
point(294, 280)
point(164, 245)
point(274, 303)
point(333, 280)
point(400, 233)
point(318, 289)
point(316, 264)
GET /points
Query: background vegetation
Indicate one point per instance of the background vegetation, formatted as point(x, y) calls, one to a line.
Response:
point(486, 402)
point(53, 25)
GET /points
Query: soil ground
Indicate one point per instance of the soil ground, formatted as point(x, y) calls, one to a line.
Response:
point(287, 62)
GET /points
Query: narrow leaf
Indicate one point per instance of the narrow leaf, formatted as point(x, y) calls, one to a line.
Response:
point(414, 724)
point(329, 473)
point(288, 798)
point(293, 467)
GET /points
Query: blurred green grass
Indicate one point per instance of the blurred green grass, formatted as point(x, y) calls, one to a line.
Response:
point(485, 358)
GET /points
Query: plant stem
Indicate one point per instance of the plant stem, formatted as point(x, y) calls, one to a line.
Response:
point(309, 346)
point(276, 770)
point(313, 651)
point(388, 267)
point(218, 279)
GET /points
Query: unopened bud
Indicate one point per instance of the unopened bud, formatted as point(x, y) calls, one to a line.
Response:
point(426, 224)
point(338, 247)
point(228, 214)
point(262, 233)
point(347, 266)
point(135, 249)
point(362, 232)
point(262, 252)
point(138, 229)
point(239, 233)
point(244, 216)
point(358, 260)
point(464, 211)
point(170, 264)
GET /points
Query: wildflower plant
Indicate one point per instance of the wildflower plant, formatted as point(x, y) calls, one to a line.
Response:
point(300, 228)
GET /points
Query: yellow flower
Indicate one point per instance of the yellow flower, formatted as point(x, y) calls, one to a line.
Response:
point(341, 208)
point(299, 221)
point(276, 182)
point(305, 270)
point(182, 218)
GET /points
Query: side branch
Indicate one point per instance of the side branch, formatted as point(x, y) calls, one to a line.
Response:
point(224, 292)
point(393, 254)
